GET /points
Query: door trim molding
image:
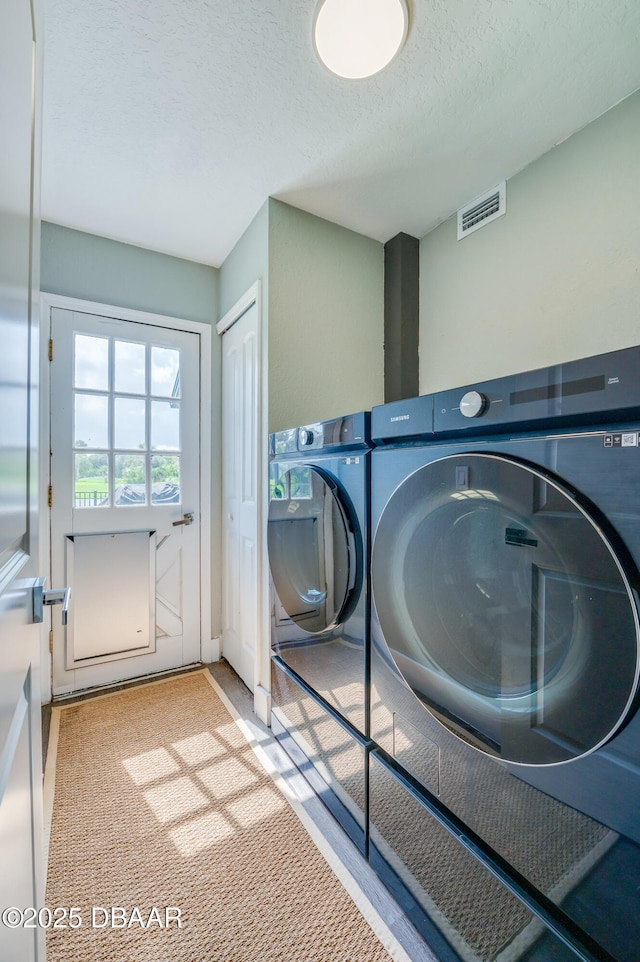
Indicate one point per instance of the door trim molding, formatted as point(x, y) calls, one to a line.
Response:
point(241, 306)
point(262, 674)
point(204, 330)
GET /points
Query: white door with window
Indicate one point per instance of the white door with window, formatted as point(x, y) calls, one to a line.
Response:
point(125, 515)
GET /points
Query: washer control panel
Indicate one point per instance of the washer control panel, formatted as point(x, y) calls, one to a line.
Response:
point(412, 417)
point(310, 437)
point(591, 389)
point(306, 437)
point(472, 404)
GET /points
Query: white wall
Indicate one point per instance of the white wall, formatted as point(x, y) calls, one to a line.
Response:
point(556, 278)
point(325, 319)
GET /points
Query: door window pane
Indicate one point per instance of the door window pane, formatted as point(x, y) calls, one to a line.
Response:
point(108, 418)
point(91, 421)
point(165, 372)
point(165, 480)
point(165, 426)
point(130, 479)
point(130, 428)
point(130, 373)
point(91, 362)
point(91, 480)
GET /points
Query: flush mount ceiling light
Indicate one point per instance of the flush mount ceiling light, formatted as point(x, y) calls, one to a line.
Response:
point(358, 38)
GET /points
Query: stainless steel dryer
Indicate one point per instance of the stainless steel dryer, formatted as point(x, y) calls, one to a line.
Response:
point(318, 539)
point(505, 662)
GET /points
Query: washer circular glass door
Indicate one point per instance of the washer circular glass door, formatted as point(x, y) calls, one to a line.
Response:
point(314, 555)
point(506, 608)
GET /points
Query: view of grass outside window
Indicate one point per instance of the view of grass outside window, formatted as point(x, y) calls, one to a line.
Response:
point(92, 474)
point(126, 412)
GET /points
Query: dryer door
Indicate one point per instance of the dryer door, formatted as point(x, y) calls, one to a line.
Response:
point(315, 553)
point(508, 608)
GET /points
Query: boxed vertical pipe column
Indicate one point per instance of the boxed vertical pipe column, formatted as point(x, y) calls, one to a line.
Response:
point(401, 317)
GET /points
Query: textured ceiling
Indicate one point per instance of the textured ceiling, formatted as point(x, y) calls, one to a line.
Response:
point(167, 123)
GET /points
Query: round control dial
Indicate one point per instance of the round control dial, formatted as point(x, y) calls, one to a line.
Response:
point(472, 404)
point(306, 436)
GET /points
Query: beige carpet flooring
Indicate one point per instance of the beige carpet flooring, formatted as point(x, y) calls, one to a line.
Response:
point(160, 802)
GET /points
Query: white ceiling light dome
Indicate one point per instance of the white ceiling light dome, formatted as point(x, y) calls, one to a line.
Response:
point(355, 39)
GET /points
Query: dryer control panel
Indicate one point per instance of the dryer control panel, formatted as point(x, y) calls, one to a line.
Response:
point(594, 389)
point(311, 437)
point(351, 431)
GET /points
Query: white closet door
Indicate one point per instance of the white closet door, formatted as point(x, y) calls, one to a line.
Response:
point(240, 494)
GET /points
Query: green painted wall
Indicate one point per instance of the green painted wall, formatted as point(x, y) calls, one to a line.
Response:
point(326, 319)
point(247, 263)
point(93, 268)
point(322, 312)
point(556, 278)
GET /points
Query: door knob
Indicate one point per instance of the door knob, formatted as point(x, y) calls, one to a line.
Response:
point(51, 596)
point(185, 519)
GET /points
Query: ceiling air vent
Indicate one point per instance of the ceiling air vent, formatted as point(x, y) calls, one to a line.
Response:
point(482, 210)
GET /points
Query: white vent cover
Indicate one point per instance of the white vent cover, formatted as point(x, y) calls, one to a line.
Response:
point(483, 209)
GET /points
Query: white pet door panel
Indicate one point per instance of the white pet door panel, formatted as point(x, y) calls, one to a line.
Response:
point(112, 578)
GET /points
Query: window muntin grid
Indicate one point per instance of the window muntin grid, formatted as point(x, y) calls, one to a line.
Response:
point(126, 423)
